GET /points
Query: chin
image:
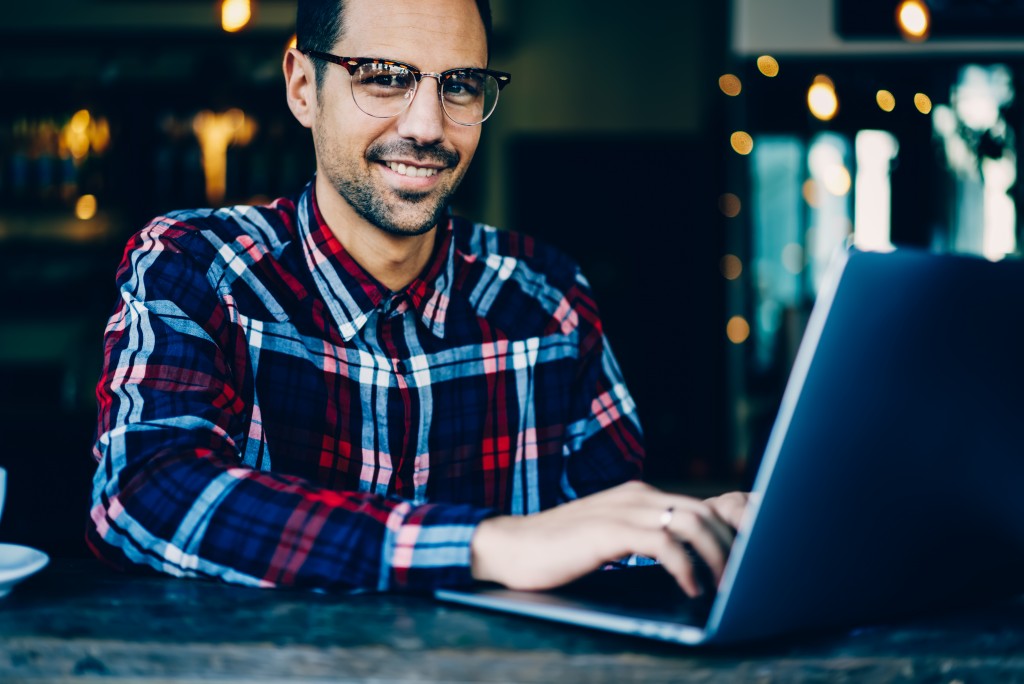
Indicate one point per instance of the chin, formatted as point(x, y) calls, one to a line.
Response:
point(405, 230)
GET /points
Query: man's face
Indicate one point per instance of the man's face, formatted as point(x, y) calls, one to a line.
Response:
point(359, 155)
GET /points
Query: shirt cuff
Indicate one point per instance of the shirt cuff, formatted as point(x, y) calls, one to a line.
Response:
point(429, 546)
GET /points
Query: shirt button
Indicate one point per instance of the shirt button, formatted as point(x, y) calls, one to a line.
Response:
point(400, 367)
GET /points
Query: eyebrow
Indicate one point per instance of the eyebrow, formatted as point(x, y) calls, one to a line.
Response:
point(410, 64)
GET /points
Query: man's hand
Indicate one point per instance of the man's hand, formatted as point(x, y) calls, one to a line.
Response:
point(561, 544)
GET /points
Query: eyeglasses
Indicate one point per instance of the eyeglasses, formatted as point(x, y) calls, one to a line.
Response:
point(383, 88)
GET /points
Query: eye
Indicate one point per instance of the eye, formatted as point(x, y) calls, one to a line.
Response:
point(384, 77)
point(464, 86)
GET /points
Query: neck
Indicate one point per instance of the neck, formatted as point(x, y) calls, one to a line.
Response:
point(393, 260)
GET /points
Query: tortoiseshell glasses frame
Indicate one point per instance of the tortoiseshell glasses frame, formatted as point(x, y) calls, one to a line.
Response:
point(384, 88)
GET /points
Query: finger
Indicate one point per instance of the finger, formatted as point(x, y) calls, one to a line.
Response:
point(708, 536)
point(689, 520)
point(730, 506)
point(671, 555)
point(724, 533)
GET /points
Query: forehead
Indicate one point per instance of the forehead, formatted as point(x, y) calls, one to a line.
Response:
point(432, 34)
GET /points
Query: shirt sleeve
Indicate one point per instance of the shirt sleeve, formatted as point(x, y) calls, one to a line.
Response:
point(171, 491)
point(604, 441)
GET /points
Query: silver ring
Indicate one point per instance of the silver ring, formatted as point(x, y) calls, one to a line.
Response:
point(666, 517)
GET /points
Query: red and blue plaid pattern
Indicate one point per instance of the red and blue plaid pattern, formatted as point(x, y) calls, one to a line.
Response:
point(270, 414)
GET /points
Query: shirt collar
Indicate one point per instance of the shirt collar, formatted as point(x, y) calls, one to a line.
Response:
point(353, 295)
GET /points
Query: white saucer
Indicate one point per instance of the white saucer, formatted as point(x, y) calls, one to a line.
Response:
point(18, 563)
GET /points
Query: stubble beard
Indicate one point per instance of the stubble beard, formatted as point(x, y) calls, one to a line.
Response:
point(396, 212)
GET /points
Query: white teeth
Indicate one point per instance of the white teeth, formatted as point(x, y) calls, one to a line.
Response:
point(411, 171)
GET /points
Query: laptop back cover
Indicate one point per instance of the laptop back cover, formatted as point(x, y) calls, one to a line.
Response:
point(893, 481)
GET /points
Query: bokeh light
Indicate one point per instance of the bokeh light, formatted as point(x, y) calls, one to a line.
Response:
point(741, 142)
point(837, 180)
point(729, 204)
point(731, 266)
point(923, 103)
point(730, 84)
point(810, 192)
point(886, 100)
point(793, 258)
point(235, 14)
point(216, 132)
point(737, 330)
point(913, 20)
point(822, 99)
point(768, 66)
point(85, 207)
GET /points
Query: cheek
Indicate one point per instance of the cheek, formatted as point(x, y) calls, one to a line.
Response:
point(466, 141)
point(344, 136)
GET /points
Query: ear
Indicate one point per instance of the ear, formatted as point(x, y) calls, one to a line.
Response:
point(300, 86)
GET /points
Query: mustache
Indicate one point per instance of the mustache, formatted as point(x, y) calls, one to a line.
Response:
point(435, 154)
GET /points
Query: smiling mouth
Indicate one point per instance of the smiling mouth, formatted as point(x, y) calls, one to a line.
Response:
point(411, 171)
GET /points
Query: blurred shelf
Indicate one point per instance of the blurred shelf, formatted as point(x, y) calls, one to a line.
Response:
point(52, 226)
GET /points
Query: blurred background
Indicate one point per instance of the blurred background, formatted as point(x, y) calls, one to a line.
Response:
point(701, 159)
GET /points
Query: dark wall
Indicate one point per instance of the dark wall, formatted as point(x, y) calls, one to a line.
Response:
point(639, 215)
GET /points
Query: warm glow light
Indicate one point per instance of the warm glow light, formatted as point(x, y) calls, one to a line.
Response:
point(85, 207)
point(729, 204)
point(294, 42)
point(80, 121)
point(234, 15)
point(731, 266)
point(730, 84)
point(74, 137)
point(741, 142)
point(100, 135)
point(836, 180)
point(923, 103)
point(767, 65)
point(737, 330)
point(822, 99)
point(913, 19)
point(215, 133)
point(886, 100)
point(810, 192)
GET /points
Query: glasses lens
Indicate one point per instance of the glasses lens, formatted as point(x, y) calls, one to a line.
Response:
point(382, 90)
point(469, 96)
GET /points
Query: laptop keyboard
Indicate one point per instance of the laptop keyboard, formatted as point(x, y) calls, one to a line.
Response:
point(644, 592)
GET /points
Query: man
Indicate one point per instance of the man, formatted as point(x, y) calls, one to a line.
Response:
point(354, 389)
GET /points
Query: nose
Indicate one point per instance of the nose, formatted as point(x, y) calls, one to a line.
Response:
point(423, 119)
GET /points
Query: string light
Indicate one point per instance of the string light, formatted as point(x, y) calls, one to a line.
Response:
point(768, 66)
point(731, 267)
point(737, 330)
point(729, 204)
point(886, 100)
point(730, 84)
point(741, 142)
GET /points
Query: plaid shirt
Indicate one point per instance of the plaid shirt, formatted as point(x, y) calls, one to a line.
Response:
point(271, 415)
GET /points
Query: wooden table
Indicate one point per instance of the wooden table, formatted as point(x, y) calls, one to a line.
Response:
point(78, 620)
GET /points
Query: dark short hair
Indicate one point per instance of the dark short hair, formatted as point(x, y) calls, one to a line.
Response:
point(320, 23)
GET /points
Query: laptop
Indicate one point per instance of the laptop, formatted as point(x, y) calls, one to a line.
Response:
point(892, 483)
